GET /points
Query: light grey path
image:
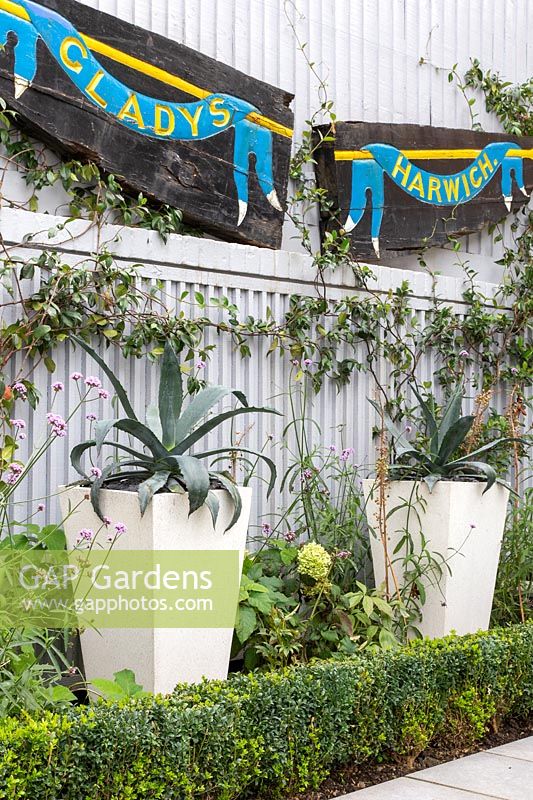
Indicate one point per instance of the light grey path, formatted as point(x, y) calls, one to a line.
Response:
point(504, 773)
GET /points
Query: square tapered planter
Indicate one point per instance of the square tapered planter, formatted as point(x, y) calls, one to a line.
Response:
point(160, 657)
point(462, 527)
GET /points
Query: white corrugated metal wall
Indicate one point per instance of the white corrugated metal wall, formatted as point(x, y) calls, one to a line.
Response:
point(370, 51)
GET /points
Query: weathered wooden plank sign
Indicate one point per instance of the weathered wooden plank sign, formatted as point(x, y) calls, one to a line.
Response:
point(401, 187)
point(175, 124)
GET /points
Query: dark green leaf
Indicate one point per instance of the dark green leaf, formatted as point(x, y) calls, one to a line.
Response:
point(230, 487)
point(196, 479)
point(170, 396)
point(453, 438)
point(208, 426)
point(149, 487)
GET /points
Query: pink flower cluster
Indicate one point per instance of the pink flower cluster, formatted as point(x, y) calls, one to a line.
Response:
point(20, 389)
point(58, 424)
point(92, 382)
point(15, 471)
point(346, 453)
point(85, 535)
point(19, 426)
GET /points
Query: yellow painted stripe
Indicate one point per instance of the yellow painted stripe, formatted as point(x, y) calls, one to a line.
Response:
point(143, 66)
point(152, 71)
point(425, 155)
point(15, 9)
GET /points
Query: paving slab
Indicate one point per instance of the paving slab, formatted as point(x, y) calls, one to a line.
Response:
point(485, 773)
point(408, 789)
point(503, 773)
point(521, 749)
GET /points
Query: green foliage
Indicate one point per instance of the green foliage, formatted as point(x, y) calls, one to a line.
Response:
point(513, 596)
point(512, 103)
point(122, 688)
point(291, 610)
point(264, 735)
point(437, 454)
point(31, 665)
point(93, 194)
point(168, 433)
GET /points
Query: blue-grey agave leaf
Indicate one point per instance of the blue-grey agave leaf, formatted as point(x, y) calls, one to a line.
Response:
point(101, 429)
point(451, 413)
point(153, 421)
point(230, 487)
point(199, 406)
point(454, 438)
point(195, 477)
point(268, 461)
point(149, 487)
point(213, 505)
point(489, 446)
point(208, 426)
point(431, 422)
point(479, 466)
point(96, 487)
point(170, 396)
point(76, 455)
point(143, 434)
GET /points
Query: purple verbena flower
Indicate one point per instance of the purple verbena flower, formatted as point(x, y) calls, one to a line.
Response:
point(308, 473)
point(103, 394)
point(343, 554)
point(96, 472)
point(14, 473)
point(295, 362)
point(85, 535)
point(463, 353)
point(308, 362)
point(20, 389)
point(76, 376)
point(58, 386)
point(41, 507)
point(120, 528)
point(347, 453)
point(19, 424)
point(107, 521)
point(200, 364)
point(290, 536)
point(333, 448)
point(91, 417)
point(267, 529)
point(58, 424)
point(93, 383)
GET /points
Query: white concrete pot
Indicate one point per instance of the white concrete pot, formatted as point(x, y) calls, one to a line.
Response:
point(460, 601)
point(160, 657)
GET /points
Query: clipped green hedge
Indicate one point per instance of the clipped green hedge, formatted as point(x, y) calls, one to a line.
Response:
point(275, 733)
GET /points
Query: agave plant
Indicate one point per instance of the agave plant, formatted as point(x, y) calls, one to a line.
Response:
point(161, 460)
point(440, 459)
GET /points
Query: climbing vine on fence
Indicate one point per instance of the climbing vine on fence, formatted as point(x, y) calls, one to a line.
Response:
point(99, 298)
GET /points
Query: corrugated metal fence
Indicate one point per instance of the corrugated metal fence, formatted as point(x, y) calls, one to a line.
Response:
point(259, 280)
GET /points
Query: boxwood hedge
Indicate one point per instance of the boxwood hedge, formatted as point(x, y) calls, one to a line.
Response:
point(271, 734)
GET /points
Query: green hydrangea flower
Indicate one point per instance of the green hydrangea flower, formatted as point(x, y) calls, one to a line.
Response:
point(314, 562)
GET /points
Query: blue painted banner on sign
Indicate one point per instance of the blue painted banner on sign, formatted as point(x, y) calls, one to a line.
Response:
point(428, 187)
point(148, 116)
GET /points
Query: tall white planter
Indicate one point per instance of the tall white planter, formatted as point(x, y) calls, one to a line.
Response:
point(160, 657)
point(460, 524)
